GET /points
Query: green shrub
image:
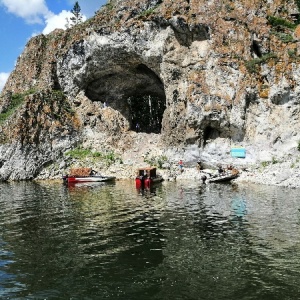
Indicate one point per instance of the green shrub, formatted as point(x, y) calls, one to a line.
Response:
point(252, 65)
point(277, 22)
point(156, 161)
point(79, 153)
point(292, 53)
point(265, 163)
point(283, 36)
point(109, 6)
point(110, 157)
point(82, 153)
point(298, 147)
point(148, 12)
point(15, 101)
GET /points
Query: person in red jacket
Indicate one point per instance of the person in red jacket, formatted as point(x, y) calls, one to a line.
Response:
point(180, 166)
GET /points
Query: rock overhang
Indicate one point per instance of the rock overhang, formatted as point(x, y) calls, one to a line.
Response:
point(113, 72)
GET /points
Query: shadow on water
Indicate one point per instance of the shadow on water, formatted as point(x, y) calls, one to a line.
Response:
point(173, 241)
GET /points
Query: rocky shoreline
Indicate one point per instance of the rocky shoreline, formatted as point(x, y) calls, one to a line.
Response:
point(275, 175)
point(280, 174)
point(279, 167)
point(283, 174)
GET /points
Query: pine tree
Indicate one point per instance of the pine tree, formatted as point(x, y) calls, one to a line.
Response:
point(77, 16)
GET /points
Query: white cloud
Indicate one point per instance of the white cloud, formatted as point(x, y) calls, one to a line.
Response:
point(36, 11)
point(33, 11)
point(56, 21)
point(3, 78)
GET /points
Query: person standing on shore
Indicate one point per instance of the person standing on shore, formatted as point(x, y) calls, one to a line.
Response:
point(137, 127)
point(180, 164)
point(199, 165)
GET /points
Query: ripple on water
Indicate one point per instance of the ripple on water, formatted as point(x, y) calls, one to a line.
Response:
point(175, 241)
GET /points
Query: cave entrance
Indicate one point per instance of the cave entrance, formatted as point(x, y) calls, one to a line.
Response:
point(210, 133)
point(133, 90)
point(146, 112)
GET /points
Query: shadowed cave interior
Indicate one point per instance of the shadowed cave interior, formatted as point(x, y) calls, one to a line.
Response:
point(135, 91)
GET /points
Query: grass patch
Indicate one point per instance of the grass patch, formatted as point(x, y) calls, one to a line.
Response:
point(79, 153)
point(16, 100)
point(148, 12)
point(83, 153)
point(265, 163)
point(156, 161)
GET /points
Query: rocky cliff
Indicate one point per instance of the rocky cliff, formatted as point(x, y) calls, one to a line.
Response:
point(199, 77)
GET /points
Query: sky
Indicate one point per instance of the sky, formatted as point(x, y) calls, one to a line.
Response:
point(20, 20)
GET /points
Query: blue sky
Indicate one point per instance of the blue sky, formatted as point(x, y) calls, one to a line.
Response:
point(22, 19)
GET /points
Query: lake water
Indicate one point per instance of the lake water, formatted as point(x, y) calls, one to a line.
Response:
point(177, 241)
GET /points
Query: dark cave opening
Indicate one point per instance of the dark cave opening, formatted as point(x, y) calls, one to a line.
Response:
point(136, 92)
point(146, 112)
point(255, 47)
point(210, 133)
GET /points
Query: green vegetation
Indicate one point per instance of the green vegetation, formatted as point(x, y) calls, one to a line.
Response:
point(15, 101)
point(148, 12)
point(157, 161)
point(282, 29)
point(298, 147)
point(279, 22)
point(79, 153)
point(252, 65)
point(109, 6)
point(296, 162)
point(84, 153)
point(283, 36)
point(292, 53)
point(76, 16)
point(265, 163)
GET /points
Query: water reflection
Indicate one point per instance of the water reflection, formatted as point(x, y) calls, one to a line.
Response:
point(174, 241)
point(147, 192)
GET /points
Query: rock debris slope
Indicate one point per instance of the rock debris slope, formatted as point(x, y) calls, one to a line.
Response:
point(200, 77)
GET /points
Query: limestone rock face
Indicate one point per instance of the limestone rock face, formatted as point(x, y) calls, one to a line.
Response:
point(197, 76)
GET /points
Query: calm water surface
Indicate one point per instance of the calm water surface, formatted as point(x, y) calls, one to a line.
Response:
point(178, 241)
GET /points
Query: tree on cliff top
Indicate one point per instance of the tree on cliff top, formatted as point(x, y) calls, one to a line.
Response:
point(77, 15)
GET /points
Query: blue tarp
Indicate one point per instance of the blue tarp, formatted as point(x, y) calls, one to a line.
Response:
point(238, 152)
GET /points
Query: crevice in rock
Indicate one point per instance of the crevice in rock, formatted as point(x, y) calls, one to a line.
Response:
point(255, 47)
point(249, 98)
point(186, 34)
point(54, 77)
